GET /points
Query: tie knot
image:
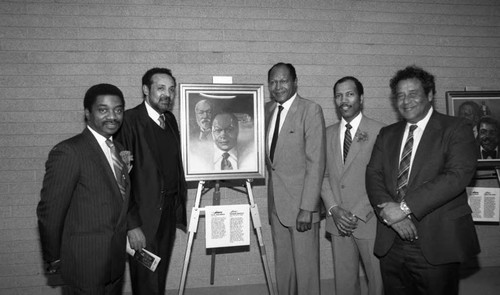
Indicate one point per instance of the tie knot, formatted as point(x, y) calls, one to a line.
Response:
point(348, 126)
point(225, 155)
point(280, 108)
point(413, 127)
point(110, 143)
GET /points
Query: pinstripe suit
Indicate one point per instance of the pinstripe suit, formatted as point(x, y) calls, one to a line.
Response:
point(82, 215)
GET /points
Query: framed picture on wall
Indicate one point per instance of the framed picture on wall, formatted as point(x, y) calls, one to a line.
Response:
point(482, 108)
point(222, 131)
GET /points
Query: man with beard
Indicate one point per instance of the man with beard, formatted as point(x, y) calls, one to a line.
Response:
point(158, 198)
point(82, 214)
point(351, 220)
point(203, 111)
point(487, 137)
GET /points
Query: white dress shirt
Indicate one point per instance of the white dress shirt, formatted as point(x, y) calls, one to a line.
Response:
point(105, 148)
point(354, 124)
point(286, 106)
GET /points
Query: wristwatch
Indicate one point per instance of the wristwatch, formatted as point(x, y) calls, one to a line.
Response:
point(404, 208)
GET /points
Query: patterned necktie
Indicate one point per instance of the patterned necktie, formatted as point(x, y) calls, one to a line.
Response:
point(275, 133)
point(118, 167)
point(162, 121)
point(347, 140)
point(225, 164)
point(404, 165)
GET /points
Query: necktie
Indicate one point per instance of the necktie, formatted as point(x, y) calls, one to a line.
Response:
point(118, 167)
point(225, 164)
point(347, 140)
point(404, 165)
point(275, 134)
point(162, 121)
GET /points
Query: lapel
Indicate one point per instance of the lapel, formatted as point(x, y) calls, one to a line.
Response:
point(288, 127)
point(102, 162)
point(270, 107)
point(393, 150)
point(431, 132)
point(148, 133)
point(355, 145)
point(336, 151)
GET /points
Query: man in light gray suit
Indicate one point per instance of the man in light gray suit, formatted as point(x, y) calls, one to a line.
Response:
point(351, 220)
point(296, 163)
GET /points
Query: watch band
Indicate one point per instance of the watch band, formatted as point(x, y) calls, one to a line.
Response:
point(404, 208)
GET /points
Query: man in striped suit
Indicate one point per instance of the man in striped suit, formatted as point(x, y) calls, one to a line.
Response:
point(84, 200)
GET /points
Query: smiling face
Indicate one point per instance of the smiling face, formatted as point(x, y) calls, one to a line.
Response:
point(225, 131)
point(412, 101)
point(160, 96)
point(347, 100)
point(282, 86)
point(488, 136)
point(105, 115)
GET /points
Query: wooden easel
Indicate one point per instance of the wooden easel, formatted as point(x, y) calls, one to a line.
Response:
point(193, 226)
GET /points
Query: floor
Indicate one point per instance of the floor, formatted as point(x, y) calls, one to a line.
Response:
point(485, 281)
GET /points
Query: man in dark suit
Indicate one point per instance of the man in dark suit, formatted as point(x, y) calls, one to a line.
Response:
point(416, 180)
point(351, 220)
point(296, 163)
point(84, 200)
point(158, 197)
point(487, 138)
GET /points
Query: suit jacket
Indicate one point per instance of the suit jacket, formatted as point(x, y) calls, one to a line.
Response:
point(344, 184)
point(296, 174)
point(444, 164)
point(147, 197)
point(82, 214)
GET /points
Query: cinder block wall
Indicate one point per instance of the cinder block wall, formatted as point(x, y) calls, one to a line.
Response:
point(51, 51)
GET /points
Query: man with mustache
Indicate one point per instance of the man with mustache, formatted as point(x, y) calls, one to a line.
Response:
point(203, 111)
point(487, 137)
point(416, 181)
point(82, 214)
point(158, 198)
point(351, 220)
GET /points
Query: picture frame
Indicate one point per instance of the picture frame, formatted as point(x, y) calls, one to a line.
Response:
point(483, 109)
point(214, 145)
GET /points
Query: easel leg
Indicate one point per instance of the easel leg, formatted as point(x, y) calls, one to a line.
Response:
point(193, 226)
point(258, 229)
point(215, 202)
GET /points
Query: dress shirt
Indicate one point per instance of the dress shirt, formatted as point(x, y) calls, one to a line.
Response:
point(272, 123)
point(105, 148)
point(153, 114)
point(217, 158)
point(417, 135)
point(495, 150)
point(354, 124)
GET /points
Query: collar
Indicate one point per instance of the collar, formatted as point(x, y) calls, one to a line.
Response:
point(287, 104)
point(233, 153)
point(100, 139)
point(153, 114)
point(354, 123)
point(422, 123)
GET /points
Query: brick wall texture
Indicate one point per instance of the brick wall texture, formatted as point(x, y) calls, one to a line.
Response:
point(51, 51)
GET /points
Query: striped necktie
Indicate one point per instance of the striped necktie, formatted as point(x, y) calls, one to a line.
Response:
point(404, 165)
point(161, 118)
point(347, 140)
point(225, 164)
point(117, 167)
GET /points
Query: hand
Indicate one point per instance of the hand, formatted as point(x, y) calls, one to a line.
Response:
point(345, 221)
point(304, 220)
point(406, 229)
point(136, 239)
point(391, 213)
point(53, 267)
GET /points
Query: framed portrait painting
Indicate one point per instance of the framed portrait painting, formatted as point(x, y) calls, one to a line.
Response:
point(482, 108)
point(222, 131)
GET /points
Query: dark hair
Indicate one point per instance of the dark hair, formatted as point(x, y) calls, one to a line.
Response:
point(359, 86)
point(290, 67)
point(146, 79)
point(411, 72)
point(488, 120)
point(101, 89)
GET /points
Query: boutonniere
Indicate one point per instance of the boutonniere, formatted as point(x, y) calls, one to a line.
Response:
point(127, 158)
point(361, 136)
